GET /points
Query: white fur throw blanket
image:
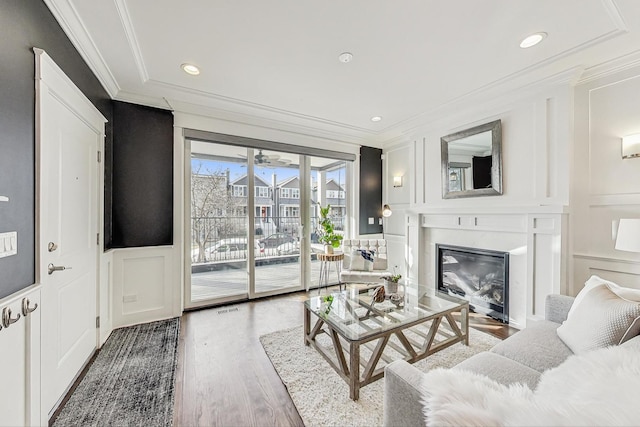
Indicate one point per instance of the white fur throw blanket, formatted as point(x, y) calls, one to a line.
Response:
point(599, 388)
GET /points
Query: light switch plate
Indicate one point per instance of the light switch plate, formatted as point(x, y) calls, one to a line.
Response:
point(8, 244)
point(371, 221)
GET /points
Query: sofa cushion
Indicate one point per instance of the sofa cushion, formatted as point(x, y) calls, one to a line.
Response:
point(537, 346)
point(353, 276)
point(632, 343)
point(600, 318)
point(500, 369)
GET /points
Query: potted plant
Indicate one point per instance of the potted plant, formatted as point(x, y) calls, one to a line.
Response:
point(326, 231)
point(391, 282)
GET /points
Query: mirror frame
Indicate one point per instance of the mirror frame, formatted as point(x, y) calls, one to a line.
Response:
point(496, 161)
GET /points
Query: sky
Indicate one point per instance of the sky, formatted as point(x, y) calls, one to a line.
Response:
point(236, 170)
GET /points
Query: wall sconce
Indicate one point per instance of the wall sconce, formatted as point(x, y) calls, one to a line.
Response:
point(628, 238)
point(397, 181)
point(386, 211)
point(631, 146)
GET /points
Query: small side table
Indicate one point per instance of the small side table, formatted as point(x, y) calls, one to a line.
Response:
point(325, 268)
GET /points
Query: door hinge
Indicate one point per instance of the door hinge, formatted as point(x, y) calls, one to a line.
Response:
point(97, 321)
point(99, 156)
point(97, 238)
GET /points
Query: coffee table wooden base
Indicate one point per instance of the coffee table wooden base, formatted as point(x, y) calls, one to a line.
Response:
point(412, 349)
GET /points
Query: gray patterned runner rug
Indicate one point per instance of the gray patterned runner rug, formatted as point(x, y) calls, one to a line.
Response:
point(131, 381)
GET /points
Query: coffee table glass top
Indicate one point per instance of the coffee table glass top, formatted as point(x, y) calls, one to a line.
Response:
point(351, 314)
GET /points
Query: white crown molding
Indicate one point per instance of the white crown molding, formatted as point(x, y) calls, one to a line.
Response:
point(613, 66)
point(68, 18)
point(136, 98)
point(268, 123)
point(254, 109)
point(127, 25)
point(494, 98)
point(615, 15)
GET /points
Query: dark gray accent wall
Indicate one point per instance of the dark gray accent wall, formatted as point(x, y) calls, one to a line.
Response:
point(142, 196)
point(370, 189)
point(25, 24)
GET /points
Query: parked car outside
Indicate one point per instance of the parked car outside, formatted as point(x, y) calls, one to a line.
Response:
point(290, 248)
point(277, 239)
point(231, 249)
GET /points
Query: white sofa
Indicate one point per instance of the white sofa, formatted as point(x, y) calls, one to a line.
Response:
point(380, 264)
point(524, 361)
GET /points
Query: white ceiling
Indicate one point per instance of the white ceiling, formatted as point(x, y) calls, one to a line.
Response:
point(277, 61)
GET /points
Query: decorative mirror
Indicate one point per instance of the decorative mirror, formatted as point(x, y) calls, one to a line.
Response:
point(472, 162)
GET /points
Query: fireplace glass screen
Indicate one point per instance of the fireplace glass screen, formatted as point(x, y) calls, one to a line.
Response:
point(480, 276)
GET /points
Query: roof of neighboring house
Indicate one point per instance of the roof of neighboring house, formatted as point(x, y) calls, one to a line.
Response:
point(333, 185)
point(242, 180)
point(293, 179)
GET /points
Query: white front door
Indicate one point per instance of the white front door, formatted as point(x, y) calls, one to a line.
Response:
point(69, 138)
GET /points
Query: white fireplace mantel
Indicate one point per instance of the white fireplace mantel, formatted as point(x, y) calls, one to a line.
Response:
point(535, 238)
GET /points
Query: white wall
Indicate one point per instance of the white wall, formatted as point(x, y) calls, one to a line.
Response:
point(605, 186)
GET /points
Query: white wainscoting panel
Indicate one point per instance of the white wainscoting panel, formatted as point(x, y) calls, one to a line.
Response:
point(20, 362)
point(143, 285)
point(624, 273)
point(105, 297)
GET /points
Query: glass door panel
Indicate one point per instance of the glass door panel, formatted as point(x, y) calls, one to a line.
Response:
point(277, 222)
point(219, 226)
point(328, 187)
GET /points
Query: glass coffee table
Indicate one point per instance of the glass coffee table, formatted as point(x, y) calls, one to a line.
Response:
point(352, 334)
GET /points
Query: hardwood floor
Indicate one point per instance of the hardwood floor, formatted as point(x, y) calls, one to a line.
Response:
point(224, 377)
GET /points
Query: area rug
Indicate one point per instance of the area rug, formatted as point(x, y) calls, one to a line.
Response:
point(130, 382)
point(322, 397)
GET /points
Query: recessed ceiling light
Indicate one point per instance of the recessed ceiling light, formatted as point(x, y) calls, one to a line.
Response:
point(190, 69)
point(376, 118)
point(345, 57)
point(532, 40)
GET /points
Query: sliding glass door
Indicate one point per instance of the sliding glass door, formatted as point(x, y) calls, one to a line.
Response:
point(253, 217)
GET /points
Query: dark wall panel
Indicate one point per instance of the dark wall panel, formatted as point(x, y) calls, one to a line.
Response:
point(25, 24)
point(370, 189)
point(142, 174)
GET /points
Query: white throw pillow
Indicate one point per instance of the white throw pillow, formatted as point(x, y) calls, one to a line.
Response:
point(359, 263)
point(600, 319)
point(626, 293)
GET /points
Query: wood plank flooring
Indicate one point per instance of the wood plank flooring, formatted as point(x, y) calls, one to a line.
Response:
point(224, 377)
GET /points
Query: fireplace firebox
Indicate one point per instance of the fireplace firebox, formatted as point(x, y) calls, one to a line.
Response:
point(479, 276)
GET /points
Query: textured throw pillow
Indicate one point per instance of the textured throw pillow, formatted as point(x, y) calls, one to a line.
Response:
point(626, 293)
point(600, 319)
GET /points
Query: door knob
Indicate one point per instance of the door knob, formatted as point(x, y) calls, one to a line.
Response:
point(52, 268)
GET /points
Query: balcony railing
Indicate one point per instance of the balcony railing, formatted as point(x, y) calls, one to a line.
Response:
point(219, 239)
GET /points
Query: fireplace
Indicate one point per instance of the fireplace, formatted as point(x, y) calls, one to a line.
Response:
point(478, 275)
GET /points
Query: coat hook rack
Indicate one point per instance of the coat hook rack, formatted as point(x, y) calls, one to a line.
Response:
point(26, 309)
point(7, 320)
